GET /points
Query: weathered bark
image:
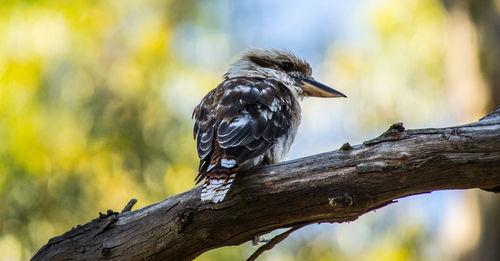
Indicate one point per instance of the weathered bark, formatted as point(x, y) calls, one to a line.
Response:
point(337, 186)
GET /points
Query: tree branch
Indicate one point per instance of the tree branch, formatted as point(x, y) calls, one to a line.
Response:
point(337, 186)
point(269, 245)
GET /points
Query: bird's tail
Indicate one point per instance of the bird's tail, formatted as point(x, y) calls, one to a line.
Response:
point(220, 176)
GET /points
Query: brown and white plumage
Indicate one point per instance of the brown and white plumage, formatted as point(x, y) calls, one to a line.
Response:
point(252, 117)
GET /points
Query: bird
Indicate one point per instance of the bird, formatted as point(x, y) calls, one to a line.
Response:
point(251, 118)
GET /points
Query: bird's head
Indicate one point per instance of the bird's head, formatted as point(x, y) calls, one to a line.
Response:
point(283, 66)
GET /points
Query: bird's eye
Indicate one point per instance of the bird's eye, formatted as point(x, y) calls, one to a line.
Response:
point(286, 66)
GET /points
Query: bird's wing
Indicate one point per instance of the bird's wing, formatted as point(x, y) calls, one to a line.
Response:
point(205, 124)
point(243, 118)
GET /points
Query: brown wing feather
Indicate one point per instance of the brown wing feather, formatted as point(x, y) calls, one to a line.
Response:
point(240, 119)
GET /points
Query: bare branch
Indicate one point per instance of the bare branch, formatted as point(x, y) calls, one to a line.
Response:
point(337, 186)
point(129, 205)
point(269, 245)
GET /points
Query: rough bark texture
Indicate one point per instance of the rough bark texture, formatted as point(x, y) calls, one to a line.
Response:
point(337, 186)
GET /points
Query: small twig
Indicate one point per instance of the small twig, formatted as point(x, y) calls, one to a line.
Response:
point(129, 205)
point(276, 240)
point(112, 219)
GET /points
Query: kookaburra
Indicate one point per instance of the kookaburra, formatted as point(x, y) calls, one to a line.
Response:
point(252, 117)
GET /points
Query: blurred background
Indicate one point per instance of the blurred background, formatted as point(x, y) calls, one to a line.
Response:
point(96, 100)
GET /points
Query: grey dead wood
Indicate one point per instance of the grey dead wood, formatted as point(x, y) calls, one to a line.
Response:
point(336, 186)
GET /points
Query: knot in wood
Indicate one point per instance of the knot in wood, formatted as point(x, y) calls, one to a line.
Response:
point(343, 201)
point(183, 220)
point(395, 132)
point(397, 126)
point(108, 213)
point(346, 147)
point(105, 251)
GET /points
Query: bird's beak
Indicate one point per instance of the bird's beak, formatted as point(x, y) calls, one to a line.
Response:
point(317, 89)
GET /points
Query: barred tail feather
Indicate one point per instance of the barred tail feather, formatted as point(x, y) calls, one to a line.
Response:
point(218, 181)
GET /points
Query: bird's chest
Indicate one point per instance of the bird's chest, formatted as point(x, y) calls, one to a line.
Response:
point(280, 149)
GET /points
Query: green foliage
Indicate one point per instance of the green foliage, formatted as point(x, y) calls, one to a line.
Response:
point(83, 121)
point(399, 71)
